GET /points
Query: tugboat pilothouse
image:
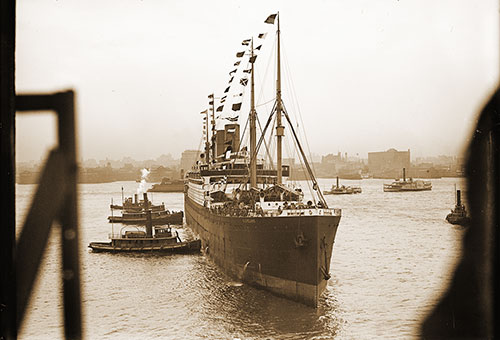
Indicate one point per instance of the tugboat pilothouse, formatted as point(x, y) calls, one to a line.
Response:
point(254, 224)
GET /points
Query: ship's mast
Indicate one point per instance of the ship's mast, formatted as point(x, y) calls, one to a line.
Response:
point(279, 127)
point(253, 132)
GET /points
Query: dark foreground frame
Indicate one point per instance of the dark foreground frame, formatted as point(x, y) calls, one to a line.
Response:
point(469, 308)
point(54, 200)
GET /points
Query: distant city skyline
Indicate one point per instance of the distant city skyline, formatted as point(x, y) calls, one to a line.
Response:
point(385, 164)
point(368, 76)
point(168, 158)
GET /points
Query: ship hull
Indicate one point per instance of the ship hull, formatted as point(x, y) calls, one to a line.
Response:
point(145, 247)
point(174, 218)
point(457, 218)
point(288, 256)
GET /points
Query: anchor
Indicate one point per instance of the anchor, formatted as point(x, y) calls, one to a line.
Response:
point(324, 270)
point(300, 240)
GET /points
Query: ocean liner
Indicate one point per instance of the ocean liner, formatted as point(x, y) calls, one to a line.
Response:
point(255, 225)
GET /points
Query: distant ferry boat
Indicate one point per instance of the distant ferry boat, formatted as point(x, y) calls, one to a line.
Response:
point(407, 185)
point(342, 190)
point(168, 185)
point(254, 226)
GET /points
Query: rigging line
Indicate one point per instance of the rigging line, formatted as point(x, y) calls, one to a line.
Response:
point(304, 169)
point(293, 154)
point(293, 102)
point(244, 129)
point(291, 157)
point(261, 139)
point(311, 175)
point(292, 169)
point(261, 92)
point(243, 134)
point(313, 178)
point(247, 177)
point(287, 146)
point(199, 151)
point(307, 177)
point(289, 77)
point(273, 99)
point(271, 145)
point(265, 144)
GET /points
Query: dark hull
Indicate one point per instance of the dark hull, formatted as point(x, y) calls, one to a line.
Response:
point(458, 219)
point(289, 256)
point(333, 192)
point(405, 189)
point(175, 218)
point(137, 207)
point(181, 247)
point(416, 189)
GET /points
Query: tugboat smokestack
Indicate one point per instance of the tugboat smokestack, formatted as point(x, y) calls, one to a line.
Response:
point(337, 181)
point(459, 202)
point(135, 198)
point(404, 174)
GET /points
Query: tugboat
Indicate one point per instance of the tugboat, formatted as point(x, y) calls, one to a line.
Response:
point(153, 239)
point(459, 214)
point(342, 190)
point(407, 185)
point(162, 240)
point(158, 217)
point(138, 214)
point(135, 205)
point(252, 223)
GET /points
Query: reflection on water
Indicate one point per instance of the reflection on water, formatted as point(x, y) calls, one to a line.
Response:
point(246, 312)
point(393, 255)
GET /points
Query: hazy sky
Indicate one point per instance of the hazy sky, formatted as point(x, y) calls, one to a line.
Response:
point(367, 75)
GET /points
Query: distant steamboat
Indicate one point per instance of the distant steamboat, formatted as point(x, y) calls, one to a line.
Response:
point(254, 226)
point(407, 185)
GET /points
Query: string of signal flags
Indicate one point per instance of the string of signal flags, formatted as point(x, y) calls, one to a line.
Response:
point(243, 81)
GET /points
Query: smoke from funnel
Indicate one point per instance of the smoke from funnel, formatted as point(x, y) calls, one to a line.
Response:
point(142, 185)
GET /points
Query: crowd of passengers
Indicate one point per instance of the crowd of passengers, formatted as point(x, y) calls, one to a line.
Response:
point(233, 208)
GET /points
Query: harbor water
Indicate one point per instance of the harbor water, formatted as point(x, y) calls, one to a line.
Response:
point(393, 256)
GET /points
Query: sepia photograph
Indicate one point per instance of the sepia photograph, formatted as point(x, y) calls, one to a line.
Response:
point(250, 169)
